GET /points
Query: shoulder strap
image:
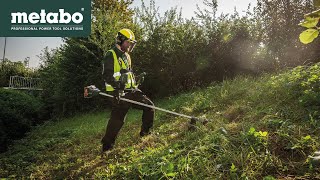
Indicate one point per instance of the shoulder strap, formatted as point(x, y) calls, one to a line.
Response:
point(119, 60)
point(129, 60)
point(113, 53)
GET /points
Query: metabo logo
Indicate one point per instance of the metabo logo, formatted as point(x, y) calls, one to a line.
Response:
point(45, 18)
point(52, 18)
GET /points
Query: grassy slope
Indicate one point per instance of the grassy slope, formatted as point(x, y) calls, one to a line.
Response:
point(260, 126)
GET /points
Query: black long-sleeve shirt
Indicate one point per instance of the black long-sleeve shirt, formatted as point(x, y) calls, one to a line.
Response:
point(108, 65)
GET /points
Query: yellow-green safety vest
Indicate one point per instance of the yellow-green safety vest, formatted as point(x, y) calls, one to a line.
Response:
point(131, 83)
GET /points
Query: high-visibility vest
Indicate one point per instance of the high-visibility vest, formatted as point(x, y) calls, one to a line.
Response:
point(131, 83)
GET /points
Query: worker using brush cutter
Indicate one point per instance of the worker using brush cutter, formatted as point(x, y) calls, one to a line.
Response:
point(121, 82)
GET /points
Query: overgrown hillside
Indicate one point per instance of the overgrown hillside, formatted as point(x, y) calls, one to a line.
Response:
point(260, 127)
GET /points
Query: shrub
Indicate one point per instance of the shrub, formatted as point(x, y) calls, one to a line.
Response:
point(18, 112)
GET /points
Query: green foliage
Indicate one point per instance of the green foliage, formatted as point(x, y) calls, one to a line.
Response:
point(269, 178)
point(308, 35)
point(310, 21)
point(50, 78)
point(304, 143)
point(233, 172)
point(167, 42)
point(279, 29)
point(18, 112)
point(179, 55)
point(304, 81)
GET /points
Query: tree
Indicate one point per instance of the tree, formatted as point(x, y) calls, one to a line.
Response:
point(50, 77)
point(280, 19)
point(170, 51)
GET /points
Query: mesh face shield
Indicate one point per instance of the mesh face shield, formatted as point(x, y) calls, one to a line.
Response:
point(132, 45)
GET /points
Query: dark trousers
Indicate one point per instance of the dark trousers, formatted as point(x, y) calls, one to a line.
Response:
point(118, 115)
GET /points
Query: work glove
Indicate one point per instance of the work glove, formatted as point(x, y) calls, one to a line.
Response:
point(118, 91)
point(119, 85)
point(140, 78)
point(116, 96)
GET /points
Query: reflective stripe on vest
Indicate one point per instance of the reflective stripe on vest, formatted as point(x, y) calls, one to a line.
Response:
point(116, 69)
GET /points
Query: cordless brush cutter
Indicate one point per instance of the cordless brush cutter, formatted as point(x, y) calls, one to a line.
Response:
point(91, 91)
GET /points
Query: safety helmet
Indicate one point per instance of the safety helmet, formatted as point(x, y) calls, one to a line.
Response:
point(125, 34)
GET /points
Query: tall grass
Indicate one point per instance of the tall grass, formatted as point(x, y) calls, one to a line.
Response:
point(259, 128)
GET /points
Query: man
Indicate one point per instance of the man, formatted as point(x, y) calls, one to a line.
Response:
point(116, 65)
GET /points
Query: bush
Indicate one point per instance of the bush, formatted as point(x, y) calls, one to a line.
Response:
point(18, 112)
point(304, 82)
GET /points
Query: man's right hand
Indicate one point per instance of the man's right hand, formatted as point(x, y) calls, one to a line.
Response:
point(118, 85)
point(116, 95)
point(118, 90)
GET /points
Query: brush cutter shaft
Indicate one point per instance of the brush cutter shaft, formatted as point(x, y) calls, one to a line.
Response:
point(147, 105)
point(91, 91)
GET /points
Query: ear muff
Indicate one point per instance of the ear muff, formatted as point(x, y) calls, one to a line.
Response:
point(120, 38)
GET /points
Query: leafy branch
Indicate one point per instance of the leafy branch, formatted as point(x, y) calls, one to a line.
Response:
point(311, 21)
